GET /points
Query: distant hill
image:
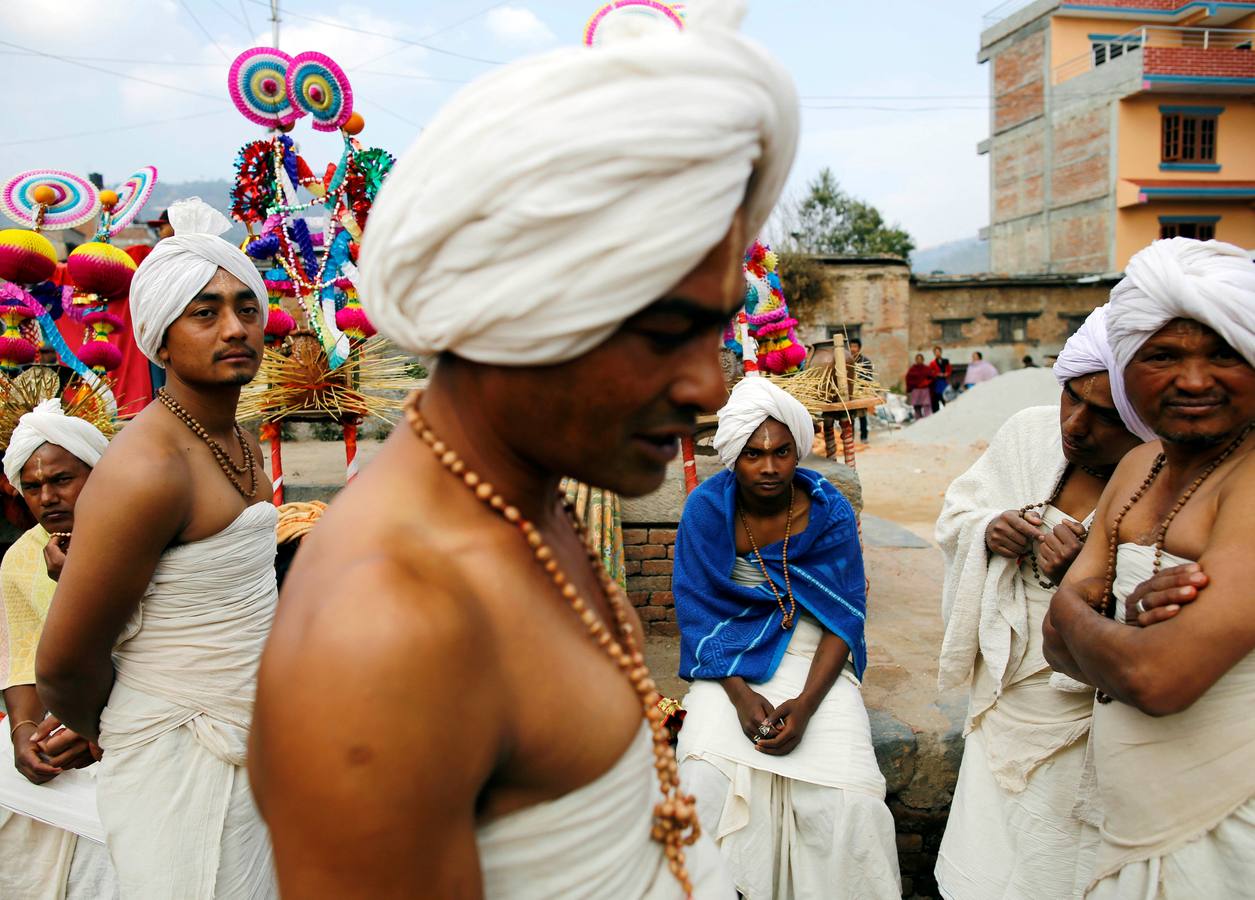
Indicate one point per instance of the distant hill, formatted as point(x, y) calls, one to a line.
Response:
point(216, 192)
point(968, 256)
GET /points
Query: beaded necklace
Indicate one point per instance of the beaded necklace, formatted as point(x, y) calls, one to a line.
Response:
point(675, 823)
point(229, 466)
point(1108, 596)
point(787, 621)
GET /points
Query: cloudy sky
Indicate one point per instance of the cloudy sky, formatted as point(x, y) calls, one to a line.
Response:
point(893, 100)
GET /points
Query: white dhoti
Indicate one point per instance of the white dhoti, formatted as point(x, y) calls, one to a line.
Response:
point(1178, 791)
point(51, 843)
point(1015, 830)
point(172, 790)
point(810, 824)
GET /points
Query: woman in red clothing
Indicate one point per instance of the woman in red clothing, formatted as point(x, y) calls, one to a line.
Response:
point(940, 369)
point(919, 385)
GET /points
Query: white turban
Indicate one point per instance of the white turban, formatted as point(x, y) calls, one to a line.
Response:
point(180, 266)
point(1087, 352)
point(47, 424)
point(558, 196)
point(752, 402)
point(1208, 281)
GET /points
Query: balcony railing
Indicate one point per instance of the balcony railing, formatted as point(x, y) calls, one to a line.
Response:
point(1165, 50)
point(1004, 11)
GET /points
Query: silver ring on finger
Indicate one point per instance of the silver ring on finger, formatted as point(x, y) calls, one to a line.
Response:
point(756, 738)
point(1141, 607)
point(764, 730)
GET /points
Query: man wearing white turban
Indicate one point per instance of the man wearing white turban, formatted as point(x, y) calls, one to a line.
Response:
point(1009, 529)
point(1173, 736)
point(48, 459)
point(152, 645)
point(771, 599)
point(567, 235)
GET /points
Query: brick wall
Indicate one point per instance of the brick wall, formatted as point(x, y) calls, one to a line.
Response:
point(649, 551)
point(1080, 239)
point(1019, 85)
point(1213, 63)
point(1082, 157)
point(1018, 169)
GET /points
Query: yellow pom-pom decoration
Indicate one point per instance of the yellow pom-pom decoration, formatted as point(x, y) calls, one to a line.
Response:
point(26, 257)
point(101, 269)
point(354, 124)
point(108, 199)
point(44, 195)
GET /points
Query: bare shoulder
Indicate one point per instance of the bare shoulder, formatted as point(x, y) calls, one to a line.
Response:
point(376, 728)
point(381, 630)
point(144, 464)
point(1132, 470)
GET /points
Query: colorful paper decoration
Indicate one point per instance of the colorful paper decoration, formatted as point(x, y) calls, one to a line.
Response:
point(615, 12)
point(26, 257)
point(101, 269)
point(258, 84)
point(132, 195)
point(319, 87)
point(69, 199)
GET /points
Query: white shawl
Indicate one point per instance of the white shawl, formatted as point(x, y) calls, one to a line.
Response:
point(983, 600)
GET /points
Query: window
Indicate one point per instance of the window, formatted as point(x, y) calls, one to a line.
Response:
point(1189, 138)
point(951, 330)
point(849, 332)
point(1072, 324)
point(1012, 329)
point(1199, 230)
point(1104, 50)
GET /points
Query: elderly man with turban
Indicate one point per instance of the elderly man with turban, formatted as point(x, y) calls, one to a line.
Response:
point(566, 236)
point(1173, 736)
point(160, 616)
point(47, 460)
point(771, 601)
point(1009, 529)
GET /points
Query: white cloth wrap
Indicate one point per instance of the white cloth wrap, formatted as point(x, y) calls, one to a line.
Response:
point(752, 402)
point(47, 424)
point(179, 268)
point(983, 599)
point(558, 196)
point(172, 790)
point(812, 823)
point(594, 842)
point(1208, 281)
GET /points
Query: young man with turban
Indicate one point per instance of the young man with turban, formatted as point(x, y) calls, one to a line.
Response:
point(153, 640)
point(1173, 736)
point(771, 602)
point(567, 236)
point(1009, 529)
point(47, 460)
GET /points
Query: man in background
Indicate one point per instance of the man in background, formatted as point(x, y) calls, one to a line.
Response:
point(863, 371)
point(941, 371)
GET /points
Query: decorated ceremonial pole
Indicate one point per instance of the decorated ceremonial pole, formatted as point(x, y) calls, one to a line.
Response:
point(270, 433)
point(350, 448)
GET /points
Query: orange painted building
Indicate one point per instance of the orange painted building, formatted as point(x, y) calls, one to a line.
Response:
point(1116, 122)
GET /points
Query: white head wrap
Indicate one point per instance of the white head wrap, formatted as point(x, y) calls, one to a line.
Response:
point(47, 424)
point(1207, 281)
point(180, 266)
point(753, 401)
point(1087, 352)
point(558, 196)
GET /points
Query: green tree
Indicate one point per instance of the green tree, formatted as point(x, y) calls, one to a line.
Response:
point(830, 221)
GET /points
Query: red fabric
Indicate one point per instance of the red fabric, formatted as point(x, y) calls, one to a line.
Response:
point(132, 381)
point(919, 376)
point(938, 371)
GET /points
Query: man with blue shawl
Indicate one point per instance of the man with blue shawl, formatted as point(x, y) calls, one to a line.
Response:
point(771, 602)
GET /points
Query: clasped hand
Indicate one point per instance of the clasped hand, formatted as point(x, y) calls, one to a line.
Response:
point(775, 731)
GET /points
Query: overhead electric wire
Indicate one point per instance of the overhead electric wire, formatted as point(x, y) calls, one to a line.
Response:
point(248, 23)
point(203, 30)
point(391, 37)
point(431, 34)
point(141, 79)
point(107, 130)
point(232, 16)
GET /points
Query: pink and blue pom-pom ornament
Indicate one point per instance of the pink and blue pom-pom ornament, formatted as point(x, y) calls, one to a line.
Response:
point(101, 269)
point(779, 350)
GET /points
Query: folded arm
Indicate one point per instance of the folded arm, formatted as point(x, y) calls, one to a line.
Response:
point(1144, 666)
point(131, 509)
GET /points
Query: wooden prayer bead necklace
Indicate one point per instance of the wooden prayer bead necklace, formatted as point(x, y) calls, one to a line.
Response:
point(1046, 583)
point(229, 467)
point(1113, 539)
point(787, 621)
point(675, 817)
